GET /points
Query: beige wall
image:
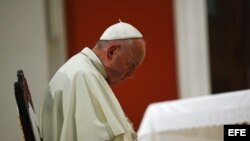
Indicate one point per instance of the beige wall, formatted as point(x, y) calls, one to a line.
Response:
point(23, 45)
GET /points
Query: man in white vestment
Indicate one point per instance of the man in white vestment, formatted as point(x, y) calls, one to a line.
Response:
point(79, 104)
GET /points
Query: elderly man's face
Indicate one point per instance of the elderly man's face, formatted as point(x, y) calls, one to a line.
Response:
point(125, 62)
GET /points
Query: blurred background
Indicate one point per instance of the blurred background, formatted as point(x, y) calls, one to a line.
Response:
point(194, 48)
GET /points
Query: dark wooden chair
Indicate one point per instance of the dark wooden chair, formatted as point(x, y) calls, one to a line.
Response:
point(28, 119)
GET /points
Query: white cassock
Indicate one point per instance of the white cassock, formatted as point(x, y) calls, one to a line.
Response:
point(80, 105)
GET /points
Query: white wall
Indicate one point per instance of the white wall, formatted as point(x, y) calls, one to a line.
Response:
point(23, 45)
point(192, 52)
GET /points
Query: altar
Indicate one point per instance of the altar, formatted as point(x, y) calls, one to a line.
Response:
point(195, 119)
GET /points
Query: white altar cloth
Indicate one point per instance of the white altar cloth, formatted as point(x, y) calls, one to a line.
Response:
point(199, 118)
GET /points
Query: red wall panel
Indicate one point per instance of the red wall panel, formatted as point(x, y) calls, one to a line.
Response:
point(156, 79)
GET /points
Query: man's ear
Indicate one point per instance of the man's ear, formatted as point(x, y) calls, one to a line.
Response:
point(112, 50)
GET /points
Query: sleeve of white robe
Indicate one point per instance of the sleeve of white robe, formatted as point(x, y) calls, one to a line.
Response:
point(88, 126)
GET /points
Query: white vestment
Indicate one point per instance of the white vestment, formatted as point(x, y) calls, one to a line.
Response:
point(80, 105)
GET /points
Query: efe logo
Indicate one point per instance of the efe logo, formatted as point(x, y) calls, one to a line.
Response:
point(236, 132)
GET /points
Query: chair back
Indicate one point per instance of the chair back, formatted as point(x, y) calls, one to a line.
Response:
point(27, 116)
